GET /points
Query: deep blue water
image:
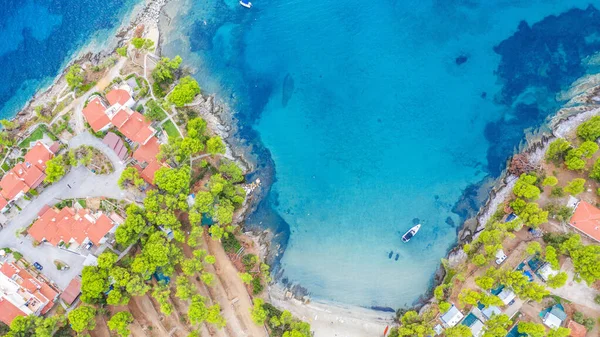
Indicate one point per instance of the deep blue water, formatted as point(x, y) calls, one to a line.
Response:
point(366, 117)
point(37, 38)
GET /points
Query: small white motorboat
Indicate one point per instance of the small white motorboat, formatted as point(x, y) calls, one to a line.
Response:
point(246, 4)
point(411, 232)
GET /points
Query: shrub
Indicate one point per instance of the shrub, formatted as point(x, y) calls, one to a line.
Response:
point(575, 186)
point(550, 181)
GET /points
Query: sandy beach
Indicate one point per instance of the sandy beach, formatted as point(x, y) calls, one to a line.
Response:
point(329, 319)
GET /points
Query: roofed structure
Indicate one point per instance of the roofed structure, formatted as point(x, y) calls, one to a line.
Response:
point(452, 317)
point(577, 330)
point(95, 114)
point(70, 226)
point(586, 219)
point(22, 294)
point(72, 291)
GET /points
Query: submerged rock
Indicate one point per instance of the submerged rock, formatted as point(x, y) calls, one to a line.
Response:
point(287, 89)
point(461, 59)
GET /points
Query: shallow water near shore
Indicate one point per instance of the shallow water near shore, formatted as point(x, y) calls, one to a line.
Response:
point(378, 116)
point(37, 38)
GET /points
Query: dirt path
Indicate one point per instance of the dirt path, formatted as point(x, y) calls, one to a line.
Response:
point(203, 290)
point(233, 287)
point(101, 329)
point(144, 312)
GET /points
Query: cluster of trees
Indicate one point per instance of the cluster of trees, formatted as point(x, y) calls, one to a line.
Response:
point(164, 74)
point(131, 176)
point(179, 150)
point(142, 44)
point(280, 323)
point(472, 297)
point(414, 325)
point(585, 258)
point(561, 150)
point(224, 195)
point(538, 330)
point(38, 326)
point(57, 167)
point(589, 130)
point(184, 92)
point(75, 77)
point(483, 249)
point(513, 279)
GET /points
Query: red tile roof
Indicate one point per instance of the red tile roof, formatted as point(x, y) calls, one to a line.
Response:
point(3, 202)
point(98, 230)
point(120, 96)
point(148, 173)
point(577, 330)
point(8, 311)
point(65, 225)
point(137, 128)
point(11, 185)
point(73, 290)
point(31, 175)
point(38, 155)
point(147, 153)
point(95, 114)
point(586, 218)
point(120, 118)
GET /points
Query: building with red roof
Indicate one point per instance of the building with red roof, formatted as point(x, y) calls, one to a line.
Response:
point(95, 114)
point(22, 294)
point(71, 228)
point(26, 175)
point(577, 330)
point(586, 219)
point(72, 291)
point(130, 123)
point(121, 96)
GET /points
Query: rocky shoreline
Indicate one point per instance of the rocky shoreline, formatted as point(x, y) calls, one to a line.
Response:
point(583, 103)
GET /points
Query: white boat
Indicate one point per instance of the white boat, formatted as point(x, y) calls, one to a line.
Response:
point(246, 4)
point(411, 232)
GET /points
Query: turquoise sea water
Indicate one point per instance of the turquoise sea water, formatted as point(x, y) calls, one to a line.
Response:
point(366, 117)
point(372, 116)
point(37, 38)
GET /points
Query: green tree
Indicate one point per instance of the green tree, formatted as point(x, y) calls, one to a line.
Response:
point(74, 76)
point(497, 326)
point(161, 295)
point(122, 51)
point(444, 307)
point(595, 171)
point(558, 280)
point(573, 160)
point(94, 283)
point(154, 112)
point(533, 247)
point(525, 187)
point(551, 257)
point(589, 148)
point(184, 92)
point(163, 72)
point(439, 293)
point(119, 323)
point(589, 130)
point(532, 329)
point(8, 125)
point(530, 212)
point(107, 259)
point(173, 181)
point(231, 170)
point(246, 277)
point(559, 332)
point(185, 290)
point(485, 282)
point(491, 300)
point(130, 176)
point(215, 145)
point(258, 313)
point(82, 318)
point(557, 150)
point(459, 330)
point(214, 316)
point(575, 186)
point(414, 325)
point(468, 296)
point(550, 181)
point(55, 169)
